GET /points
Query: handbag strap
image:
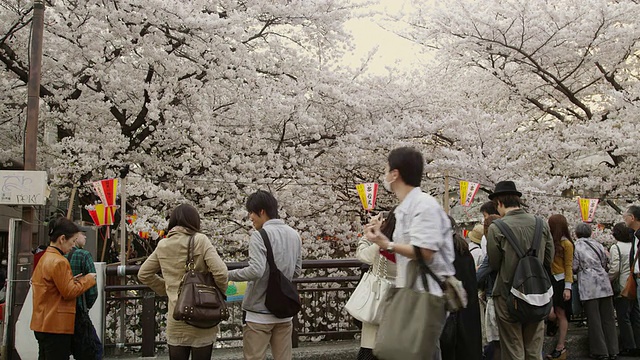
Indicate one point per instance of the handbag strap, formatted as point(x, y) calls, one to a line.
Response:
point(270, 260)
point(619, 259)
point(190, 265)
point(424, 269)
point(594, 250)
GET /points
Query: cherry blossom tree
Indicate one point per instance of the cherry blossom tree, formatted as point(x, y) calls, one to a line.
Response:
point(206, 101)
point(545, 93)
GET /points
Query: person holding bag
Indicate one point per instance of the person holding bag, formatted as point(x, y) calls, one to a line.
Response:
point(414, 316)
point(170, 257)
point(385, 271)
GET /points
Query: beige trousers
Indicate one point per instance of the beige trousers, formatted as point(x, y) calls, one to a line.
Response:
point(518, 341)
point(257, 337)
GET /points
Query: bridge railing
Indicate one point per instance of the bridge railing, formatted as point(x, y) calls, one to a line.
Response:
point(324, 288)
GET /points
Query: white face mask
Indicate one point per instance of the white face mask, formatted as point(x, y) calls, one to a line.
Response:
point(386, 184)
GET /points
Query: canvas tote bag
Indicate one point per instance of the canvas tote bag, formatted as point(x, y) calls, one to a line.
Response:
point(411, 321)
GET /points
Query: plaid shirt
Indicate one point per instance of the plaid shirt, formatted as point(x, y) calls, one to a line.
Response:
point(82, 263)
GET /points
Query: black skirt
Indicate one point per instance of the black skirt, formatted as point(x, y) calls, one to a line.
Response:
point(558, 297)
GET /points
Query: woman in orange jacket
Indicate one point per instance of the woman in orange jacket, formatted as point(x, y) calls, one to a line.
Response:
point(55, 290)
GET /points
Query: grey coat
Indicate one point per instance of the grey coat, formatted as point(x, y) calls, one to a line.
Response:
point(287, 253)
point(591, 267)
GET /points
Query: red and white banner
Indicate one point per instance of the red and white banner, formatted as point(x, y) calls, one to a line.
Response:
point(588, 208)
point(107, 191)
point(368, 193)
point(468, 191)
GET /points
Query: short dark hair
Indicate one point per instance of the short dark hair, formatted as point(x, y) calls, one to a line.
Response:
point(507, 200)
point(583, 230)
point(620, 232)
point(186, 216)
point(409, 163)
point(490, 208)
point(263, 200)
point(635, 211)
point(62, 226)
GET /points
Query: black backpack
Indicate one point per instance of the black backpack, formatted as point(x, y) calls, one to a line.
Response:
point(531, 293)
point(282, 298)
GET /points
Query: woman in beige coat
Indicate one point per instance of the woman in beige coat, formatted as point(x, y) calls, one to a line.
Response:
point(369, 253)
point(170, 257)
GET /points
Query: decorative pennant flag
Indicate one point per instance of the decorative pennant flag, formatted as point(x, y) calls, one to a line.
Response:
point(368, 193)
point(468, 191)
point(131, 219)
point(465, 232)
point(102, 215)
point(106, 190)
point(588, 208)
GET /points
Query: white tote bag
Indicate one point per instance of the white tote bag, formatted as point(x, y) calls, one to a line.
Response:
point(366, 300)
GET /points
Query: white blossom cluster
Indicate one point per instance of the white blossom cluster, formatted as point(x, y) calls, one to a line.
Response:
point(209, 101)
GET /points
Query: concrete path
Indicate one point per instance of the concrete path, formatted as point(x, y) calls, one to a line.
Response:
point(577, 343)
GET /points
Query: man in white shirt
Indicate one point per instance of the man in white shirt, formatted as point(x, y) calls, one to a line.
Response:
point(420, 222)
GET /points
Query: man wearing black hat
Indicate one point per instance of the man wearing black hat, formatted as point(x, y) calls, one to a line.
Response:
point(519, 341)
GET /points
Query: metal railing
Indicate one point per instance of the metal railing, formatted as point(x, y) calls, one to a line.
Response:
point(323, 296)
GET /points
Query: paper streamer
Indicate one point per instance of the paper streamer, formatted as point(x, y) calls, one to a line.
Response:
point(106, 190)
point(468, 191)
point(588, 208)
point(368, 193)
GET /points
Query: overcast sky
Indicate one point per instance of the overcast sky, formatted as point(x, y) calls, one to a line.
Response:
point(393, 50)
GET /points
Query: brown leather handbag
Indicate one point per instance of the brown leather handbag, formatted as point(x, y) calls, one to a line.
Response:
point(630, 288)
point(200, 302)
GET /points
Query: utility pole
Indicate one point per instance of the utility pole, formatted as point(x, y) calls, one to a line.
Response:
point(24, 261)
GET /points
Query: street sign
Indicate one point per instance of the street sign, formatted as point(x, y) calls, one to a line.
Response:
point(23, 187)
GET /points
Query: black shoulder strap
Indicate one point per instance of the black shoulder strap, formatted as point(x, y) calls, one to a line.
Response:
point(270, 260)
point(537, 237)
point(506, 231)
point(424, 269)
point(511, 237)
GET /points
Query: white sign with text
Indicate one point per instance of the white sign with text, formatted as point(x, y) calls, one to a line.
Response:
point(18, 187)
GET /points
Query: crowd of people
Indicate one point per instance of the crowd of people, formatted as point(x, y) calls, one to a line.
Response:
point(489, 296)
point(489, 327)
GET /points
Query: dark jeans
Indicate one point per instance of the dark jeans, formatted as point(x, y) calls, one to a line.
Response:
point(53, 346)
point(183, 352)
point(628, 313)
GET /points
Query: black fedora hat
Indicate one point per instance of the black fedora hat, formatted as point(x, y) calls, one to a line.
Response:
point(505, 188)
